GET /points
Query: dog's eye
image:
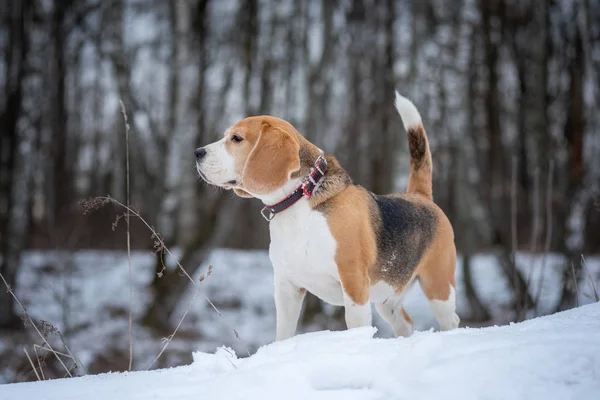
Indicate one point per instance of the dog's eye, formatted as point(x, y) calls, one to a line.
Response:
point(236, 138)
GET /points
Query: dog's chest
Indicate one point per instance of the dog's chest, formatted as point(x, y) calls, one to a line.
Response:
point(302, 250)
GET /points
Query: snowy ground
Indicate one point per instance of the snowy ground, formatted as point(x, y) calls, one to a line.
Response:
point(553, 357)
point(85, 294)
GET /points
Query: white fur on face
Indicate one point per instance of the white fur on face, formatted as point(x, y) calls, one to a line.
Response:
point(218, 167)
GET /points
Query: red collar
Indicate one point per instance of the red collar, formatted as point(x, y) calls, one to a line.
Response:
point(306, 188)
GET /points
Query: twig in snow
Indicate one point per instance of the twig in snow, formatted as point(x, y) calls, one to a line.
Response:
point(232, 354)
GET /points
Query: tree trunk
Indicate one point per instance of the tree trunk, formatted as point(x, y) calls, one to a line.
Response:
point(318, 81)
point(194, 233)
point(388, 129)
point(495, 155)
point(522, 159)
point(574, 134)
point(248, 24)
point(497, 198)
point(192, 64)
point(61, 176)
point(362, 125)
point(465, 229)
point(18, 165)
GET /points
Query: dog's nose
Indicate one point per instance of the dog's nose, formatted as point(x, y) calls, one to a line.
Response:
point(200, 152)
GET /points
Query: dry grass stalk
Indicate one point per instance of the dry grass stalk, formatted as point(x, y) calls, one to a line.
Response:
point(576, 284)
point(32, 365)
point(37, 356)
point(159, 245)
point(42, 361)
point(97, 202)
point(124, 111)
point(167, 340)
point(584, 263)
point(28, 318)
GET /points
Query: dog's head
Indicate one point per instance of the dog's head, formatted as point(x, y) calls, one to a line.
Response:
point(257, 156)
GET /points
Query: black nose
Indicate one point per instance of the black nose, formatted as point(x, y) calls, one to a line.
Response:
point(200, 152)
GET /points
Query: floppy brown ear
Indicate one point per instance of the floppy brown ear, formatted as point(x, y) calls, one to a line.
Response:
point(273, 159)
point(242, 193)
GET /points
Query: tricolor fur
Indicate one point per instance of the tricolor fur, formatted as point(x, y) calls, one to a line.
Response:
point(344, 244)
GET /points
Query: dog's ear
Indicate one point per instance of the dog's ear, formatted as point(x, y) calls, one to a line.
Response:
point(272, 160)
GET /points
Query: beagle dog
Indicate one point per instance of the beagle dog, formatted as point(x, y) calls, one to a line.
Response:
point(335, 239)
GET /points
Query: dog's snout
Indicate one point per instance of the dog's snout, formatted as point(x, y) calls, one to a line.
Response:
point(200, 152)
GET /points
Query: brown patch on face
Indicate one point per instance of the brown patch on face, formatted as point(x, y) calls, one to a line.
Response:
point(266, 157)
point(348, 219)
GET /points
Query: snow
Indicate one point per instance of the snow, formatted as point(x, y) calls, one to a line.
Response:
point(85, 294)
point(552, 357)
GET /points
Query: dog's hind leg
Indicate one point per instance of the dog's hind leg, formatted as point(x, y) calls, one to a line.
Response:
point(394, 314)
point(437, 281)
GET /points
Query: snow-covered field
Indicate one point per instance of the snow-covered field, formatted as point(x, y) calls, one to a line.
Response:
point(552, 357)
point(85, 294)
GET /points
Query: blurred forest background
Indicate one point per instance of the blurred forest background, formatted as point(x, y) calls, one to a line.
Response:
point(508, 90)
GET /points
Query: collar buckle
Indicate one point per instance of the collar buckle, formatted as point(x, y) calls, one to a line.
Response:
point(268, 216)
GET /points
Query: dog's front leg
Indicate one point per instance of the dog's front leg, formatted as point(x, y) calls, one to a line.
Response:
point(357, 315)
point(288, 303)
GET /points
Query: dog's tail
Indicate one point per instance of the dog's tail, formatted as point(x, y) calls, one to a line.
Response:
point(419, 180)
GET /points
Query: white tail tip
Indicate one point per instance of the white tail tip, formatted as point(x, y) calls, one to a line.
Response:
point(407, 110)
